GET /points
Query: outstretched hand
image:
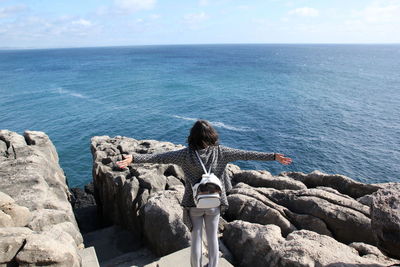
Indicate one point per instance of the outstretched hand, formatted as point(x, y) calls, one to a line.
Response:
point(125, 162)
point(282, 159)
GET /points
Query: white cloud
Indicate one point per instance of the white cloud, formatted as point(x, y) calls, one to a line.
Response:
point(154, 16)
point(130, 6)
point(380, 13)
point(10, 10)
point(195, 17)
point(203, 2)
point(304, 12)
point(243, 7)
point(82, 22)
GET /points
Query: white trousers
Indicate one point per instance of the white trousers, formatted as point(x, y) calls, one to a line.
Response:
point(211, 219)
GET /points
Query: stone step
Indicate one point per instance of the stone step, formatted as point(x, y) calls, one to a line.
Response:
point(112, 242)
point(181, 258)
point(136, 258)
point(89, 258)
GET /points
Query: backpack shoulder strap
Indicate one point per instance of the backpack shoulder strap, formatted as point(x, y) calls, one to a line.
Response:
point(202, 164)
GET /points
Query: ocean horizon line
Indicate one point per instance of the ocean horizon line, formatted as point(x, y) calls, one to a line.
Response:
point(189, 44)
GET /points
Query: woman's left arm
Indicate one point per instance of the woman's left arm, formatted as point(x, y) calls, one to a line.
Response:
point(233, 154)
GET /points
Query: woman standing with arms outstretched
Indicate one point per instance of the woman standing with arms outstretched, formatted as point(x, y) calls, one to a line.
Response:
point(203, 138)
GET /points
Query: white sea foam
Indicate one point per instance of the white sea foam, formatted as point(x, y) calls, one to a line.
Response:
point(71, 93)
point(219, 124)
point(184, 118)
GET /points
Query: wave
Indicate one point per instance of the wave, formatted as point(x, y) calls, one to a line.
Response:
point(219, 124)
point(62, 91)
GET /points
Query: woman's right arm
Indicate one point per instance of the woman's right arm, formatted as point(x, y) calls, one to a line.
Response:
point(174, 157)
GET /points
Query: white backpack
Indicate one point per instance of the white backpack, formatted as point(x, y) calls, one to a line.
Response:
point(207, 192)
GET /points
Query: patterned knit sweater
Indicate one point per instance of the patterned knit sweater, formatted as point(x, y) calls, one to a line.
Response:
point(216, 156)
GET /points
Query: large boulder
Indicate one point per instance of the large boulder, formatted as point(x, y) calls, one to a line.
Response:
point(11, 241)
point(385, 219)
point(12, 214)
point(263, 245)
point(163, 225)
point(120, 194)
point(347, 219)
point(34, 193)
point(52, 248)
point(244, 199)
point(343, 184)
point(266, 179)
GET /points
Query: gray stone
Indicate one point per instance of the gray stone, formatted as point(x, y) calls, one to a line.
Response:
point(122, 193)
point(163, 224)
point(68, 228)
point(348, 220)
point(172, 181)
point(263, 245)
point(373, 253)
point(343, 184)
point(249, 209)
point(11, 241)
point(385, 219)
point(300, 221)
point(265, 179)
point(46, 217)
point(11, 214)
point(38, 197)
point(57, 249)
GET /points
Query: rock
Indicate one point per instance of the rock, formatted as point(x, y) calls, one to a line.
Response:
point(13, 142)
point(68, 228)
point(145, 198)
point(81, 199)
point(45, 217)
point(347, 219)
point(50, 248)
point(11, 241)
point(35, 194)
point(14, 214)
point(343, 184)
point(263, 245)
point(173, 181)
point(249, 209)
point(373, 253)
point(385, 219)
point(250, 242)
point(365, 200)
point(265, 179)
point(85, 208)
point(299, 221)
point(3, 149)
point(163, 224)
point(120, 194)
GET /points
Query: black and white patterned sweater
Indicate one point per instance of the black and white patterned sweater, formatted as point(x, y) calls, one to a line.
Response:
point(216, 156)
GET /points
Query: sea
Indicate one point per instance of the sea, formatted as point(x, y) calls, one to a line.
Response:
point(332, 108)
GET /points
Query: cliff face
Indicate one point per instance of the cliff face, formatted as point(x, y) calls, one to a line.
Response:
point(37, 224)
point(293, 219)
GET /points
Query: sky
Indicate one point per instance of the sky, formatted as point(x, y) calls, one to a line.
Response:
point(88, 23)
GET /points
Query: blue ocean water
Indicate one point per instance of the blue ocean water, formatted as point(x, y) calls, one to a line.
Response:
point(335, 108)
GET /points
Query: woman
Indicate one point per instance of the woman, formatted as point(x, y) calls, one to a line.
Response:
point(203, 138)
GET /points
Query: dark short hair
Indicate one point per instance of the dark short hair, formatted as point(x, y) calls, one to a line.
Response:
point(202, 135)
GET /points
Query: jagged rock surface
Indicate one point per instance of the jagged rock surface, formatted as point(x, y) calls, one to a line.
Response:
point(37, 225)
point(162, 217)
point(121, 195)
point(295, 216)
point(385, 216)
point(263, 245)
